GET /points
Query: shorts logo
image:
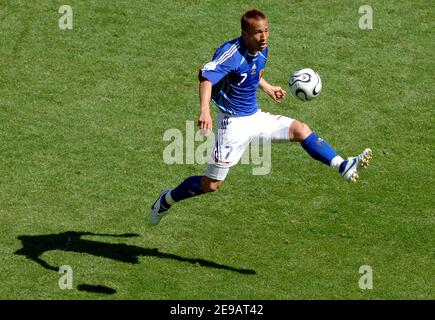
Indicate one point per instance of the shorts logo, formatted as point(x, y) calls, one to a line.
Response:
point(224, 123)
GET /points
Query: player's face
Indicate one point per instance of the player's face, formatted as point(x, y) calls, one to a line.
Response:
point(256, 38)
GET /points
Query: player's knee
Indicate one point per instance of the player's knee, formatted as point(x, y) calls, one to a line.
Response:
point(299, 131)
point(210, 185)
point(214, 186)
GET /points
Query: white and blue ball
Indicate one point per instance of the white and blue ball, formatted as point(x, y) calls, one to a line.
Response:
point(305, 84)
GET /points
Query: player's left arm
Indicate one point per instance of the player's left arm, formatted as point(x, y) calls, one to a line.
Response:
point(275, 92)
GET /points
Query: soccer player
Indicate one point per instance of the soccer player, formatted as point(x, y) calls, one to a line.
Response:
point(231, 80)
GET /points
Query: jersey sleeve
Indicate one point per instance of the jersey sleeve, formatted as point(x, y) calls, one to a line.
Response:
point(222, 64)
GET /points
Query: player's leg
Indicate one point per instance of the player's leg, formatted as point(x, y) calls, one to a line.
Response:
point(320, 150)
point(315, 146)
point(195, 186)
point(283, 128)
point(191, 187)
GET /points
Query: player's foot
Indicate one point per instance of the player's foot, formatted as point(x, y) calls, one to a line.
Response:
point(158, 210)
point(349, 168)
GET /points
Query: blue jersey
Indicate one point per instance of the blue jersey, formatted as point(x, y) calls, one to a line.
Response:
point(235, 75)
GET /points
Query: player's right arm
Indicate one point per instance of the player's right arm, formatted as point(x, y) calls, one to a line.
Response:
point(222, 64)
point(205, 121)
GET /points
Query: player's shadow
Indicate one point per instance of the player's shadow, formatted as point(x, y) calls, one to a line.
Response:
point(71, 241)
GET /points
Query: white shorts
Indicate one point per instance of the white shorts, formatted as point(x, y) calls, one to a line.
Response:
point(234, 133)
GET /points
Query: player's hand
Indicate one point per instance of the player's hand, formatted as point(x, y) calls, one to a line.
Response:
point(205, 123)
point(277, 93)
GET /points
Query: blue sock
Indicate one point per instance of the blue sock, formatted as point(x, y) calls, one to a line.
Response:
point(188, 188)
point(318, 149)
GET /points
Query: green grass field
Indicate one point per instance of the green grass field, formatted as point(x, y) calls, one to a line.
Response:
point(83, 113)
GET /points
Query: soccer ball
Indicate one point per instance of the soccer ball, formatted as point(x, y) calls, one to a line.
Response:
point(305, 84)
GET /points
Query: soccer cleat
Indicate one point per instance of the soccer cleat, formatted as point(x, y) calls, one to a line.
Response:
point(157, 211)
point(350, 171)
